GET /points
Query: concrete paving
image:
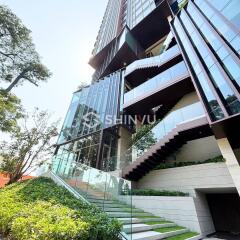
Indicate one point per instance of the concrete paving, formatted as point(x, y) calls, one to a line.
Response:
point(223, 236)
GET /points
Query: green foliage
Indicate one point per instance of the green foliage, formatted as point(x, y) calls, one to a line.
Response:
point(153, 192)
point(168, 229)
point(183, 236)
point(39, 209)
point(10, 111)
point(143, 138)
point(182, 4)
point(183, 164)
point(31, 145)
point(19, 60)
point(141, 132)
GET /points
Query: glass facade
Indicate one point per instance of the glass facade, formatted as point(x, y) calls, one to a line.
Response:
point(208, 94)
point(229, 60)
point(84, 137)
point(219, 13)
point(108, 28)
point(90, 108)
point(120, 13)
point(138, 10)
point(215, 62)
point(211, 63)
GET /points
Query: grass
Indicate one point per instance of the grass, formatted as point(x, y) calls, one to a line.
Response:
point(134, 210)
point(183, 236)
point(157, 222)
point(148, 217)
point(168, 229)
point(39, 209)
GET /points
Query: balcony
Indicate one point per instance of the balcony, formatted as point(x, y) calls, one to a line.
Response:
point(138, 71)
point(165, 88)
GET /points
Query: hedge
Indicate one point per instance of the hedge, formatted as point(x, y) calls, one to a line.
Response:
point(153, 192)
point(184, 164)
point(39, 209)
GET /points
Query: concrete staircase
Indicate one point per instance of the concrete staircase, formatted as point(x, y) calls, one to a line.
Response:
point(136, 224)
point(170, 143)
point(140, 225)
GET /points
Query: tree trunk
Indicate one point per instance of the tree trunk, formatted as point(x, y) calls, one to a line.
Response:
point(14, 179)
point(16, 80)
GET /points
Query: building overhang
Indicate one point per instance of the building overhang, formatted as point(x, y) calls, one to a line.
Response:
point(154, 26)
point(96, 60)
point(228, 128)
point(141, 75)
point(123, 57)
point(167, 96)
point(147, 32)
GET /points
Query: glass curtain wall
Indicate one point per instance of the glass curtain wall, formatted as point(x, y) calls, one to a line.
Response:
point(92, 108)
point(209, 95)
point(219, 78)
point(229, 60)
point(215, 62)
point(221, 13)
point(83, 138)
point(138, 10)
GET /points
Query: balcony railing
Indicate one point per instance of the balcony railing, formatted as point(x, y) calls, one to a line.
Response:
point(179, 116)
point(156, 61)
point(173, 74)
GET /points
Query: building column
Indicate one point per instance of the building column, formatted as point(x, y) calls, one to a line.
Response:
point(231, 161)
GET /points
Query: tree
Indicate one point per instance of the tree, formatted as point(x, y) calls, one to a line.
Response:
point(10, 111)
point(82, 85)
point(19, 61)
point(30, 147)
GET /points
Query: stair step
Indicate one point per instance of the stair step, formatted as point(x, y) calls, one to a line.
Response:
point(141, 227)
point(101, 201)
point(153, 235)
point(122, 209)
point(126, 214)
point(187, 236)
point(112, 205)
point(139, 220)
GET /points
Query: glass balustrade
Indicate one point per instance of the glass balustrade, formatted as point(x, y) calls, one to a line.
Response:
point(174, 73)
point(161, 129)
point(153, 61)
point(97, 186)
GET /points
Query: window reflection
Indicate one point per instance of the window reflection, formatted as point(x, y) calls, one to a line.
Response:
point(229, 9)
point(89, 106)
point(214, 109)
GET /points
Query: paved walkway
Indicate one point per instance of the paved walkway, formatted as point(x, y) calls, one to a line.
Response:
point(223, 236)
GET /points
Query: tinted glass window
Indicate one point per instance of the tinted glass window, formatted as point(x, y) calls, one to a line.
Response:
point(215, 110)
point(219, 5)
point(223, 86)
point(233, 68)
point(232, 12)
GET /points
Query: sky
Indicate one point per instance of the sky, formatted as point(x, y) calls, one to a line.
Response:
point(64, 32)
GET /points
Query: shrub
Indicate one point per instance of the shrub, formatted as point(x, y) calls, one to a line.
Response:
point(39, 209)
point(184, 164)
point(153, 192)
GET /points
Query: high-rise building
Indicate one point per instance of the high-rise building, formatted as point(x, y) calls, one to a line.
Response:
point(165, 94)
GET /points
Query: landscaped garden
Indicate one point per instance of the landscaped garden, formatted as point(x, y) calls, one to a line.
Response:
point(40, 209)
point(218, 159)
